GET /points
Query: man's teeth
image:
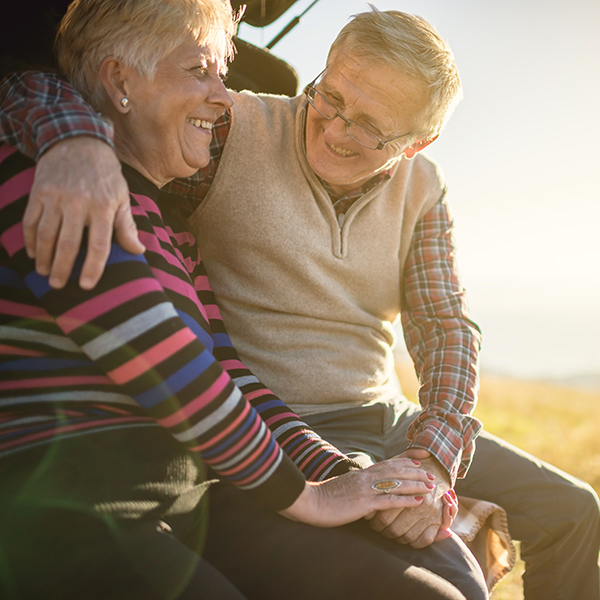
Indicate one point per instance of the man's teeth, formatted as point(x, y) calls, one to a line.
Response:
point(200, 123)
point(341, 151)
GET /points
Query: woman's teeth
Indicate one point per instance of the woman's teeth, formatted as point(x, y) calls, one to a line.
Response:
point(200, 123)
point(341, 151)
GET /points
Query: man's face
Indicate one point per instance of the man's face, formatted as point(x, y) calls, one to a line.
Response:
point(384, 101)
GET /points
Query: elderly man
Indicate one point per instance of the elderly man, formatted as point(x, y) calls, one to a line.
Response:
point(321, 226)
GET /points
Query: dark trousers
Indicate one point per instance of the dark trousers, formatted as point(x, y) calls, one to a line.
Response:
point(269, 557)
point(103, 517)
point(555, 516)
point(123, 515)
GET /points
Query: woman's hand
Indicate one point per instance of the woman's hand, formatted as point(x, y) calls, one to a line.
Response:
point(350, 497)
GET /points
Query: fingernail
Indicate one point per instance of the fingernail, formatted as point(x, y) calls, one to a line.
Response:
point(432, 477)
point(419, 498)
point(416, 462)
point(430, 486)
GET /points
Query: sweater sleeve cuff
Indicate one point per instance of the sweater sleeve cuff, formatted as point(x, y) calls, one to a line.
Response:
point(282, 488)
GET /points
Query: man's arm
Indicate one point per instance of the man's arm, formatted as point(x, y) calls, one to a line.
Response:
point(78, 181)
point(444, 345)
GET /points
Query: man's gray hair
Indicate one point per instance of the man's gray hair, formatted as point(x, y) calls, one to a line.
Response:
point(139, 32)
point(411, 45)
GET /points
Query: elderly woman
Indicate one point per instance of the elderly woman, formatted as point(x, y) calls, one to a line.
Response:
point(120, 406)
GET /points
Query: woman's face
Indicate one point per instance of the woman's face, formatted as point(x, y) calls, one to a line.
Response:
point(166, 132)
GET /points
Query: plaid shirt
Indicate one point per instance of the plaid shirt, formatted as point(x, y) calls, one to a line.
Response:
point(37, 110)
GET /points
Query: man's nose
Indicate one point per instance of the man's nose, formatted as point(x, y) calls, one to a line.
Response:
point(336, 128)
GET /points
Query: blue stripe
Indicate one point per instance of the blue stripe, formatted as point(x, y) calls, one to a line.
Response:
point(255, 466)
point(264, 406)
point(176, 382)
point(222, 340)
point(230, 441)
point(11, 278)
point(203, 336)
point(39, 285)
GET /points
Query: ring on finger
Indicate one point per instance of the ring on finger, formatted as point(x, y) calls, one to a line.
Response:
point(386, 485)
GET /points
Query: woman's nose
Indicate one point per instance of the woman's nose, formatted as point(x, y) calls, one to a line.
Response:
point(219, 94)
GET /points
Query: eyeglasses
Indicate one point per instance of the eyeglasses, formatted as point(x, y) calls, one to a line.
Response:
point(357, 132)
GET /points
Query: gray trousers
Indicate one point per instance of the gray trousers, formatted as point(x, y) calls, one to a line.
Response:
point(555, 516)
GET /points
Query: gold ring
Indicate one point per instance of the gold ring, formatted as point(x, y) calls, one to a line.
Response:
point(386, 485)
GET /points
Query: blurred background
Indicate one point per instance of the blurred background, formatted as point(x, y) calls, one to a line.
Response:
point(520, 156)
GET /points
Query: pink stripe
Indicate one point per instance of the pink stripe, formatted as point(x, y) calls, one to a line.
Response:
point(232, 364)
point(150, 242)
point(181, 237)
point(298, 449)
point(242, 442)
point(146, 203)
point(249, 459)
point(257, 393)
point(198, 403)
point(322, 467)
point(267, 465)
point(99, 305)
point(213, 312)
point(174, 283)
point(53, 381)
point(202, 284)
point(24, 310)
point(151, 357)
point(5, 349)
point(114, 409)
point(78, 427)
point(12, 239)
point(16, 187)
point(278, 417)
point(225, 432)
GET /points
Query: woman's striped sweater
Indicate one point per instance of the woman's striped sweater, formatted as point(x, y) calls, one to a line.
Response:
point(146, 348)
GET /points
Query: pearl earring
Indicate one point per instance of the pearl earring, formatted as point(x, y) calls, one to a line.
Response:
point(125, 102)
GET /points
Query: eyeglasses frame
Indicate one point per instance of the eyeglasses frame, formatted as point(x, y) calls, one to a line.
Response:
point(381, 144)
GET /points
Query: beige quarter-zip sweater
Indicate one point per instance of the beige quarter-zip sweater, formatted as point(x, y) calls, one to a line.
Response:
point(309, 305)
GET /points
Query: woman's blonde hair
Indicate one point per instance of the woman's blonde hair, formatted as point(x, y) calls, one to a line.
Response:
point(411, 45)
point(139, 32)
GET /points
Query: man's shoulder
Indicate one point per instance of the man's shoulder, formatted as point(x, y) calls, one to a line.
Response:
point(422, 168)
point(267, 103)
point(264, 119)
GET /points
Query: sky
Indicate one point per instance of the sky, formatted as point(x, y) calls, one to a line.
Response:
point(520, 156)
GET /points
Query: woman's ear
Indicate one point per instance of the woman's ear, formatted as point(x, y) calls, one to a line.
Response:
point(412, 150)
point(114, 76)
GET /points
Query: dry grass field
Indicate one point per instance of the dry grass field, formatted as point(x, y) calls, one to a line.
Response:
point(556, 424)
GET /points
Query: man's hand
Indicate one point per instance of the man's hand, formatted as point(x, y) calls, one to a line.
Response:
point(427, 523)
point(78, 183)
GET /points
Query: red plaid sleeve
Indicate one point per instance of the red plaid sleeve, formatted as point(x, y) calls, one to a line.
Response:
point(38, 110)
point(444, 345)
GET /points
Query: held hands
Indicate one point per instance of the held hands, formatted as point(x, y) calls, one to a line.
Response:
point(78, 183)
point(429, 521)
point(351, 496)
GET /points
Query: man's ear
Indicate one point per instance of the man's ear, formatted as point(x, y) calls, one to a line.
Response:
point(113, 75)
point(419, 145)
